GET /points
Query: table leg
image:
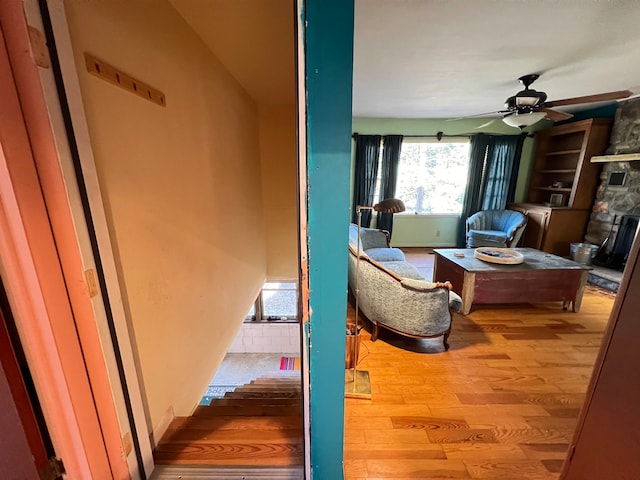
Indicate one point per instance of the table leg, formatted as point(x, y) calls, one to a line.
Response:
point(468, 287)
point(580, 291)
point(434, 274)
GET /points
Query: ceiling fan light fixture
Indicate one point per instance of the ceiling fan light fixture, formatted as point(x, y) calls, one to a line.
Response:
point(527, 101)
point(522, 120)
point(526, 98)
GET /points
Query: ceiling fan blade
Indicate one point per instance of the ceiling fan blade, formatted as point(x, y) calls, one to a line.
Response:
point(601, 97)
point(474, 116)
point(488, 123)
point(556, 115)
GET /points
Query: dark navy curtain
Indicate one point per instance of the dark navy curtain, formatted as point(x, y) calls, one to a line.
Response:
point(471, 203)
point(511, 193)
point(493, 171)
point(391, 146)
point(501, 171)
point(367, 153)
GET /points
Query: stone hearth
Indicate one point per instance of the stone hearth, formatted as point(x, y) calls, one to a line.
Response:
point(605, 278)
point(613, 201)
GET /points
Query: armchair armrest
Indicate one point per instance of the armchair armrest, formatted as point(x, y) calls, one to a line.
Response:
point(513, 227)
point(476, 222)
point(423, 285)
point(455, 302)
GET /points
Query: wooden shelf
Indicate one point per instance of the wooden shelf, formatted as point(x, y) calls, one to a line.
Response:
point(553, 189)
point(620, 157)
point(561, 170)
point(562, 157)
point(564, 152)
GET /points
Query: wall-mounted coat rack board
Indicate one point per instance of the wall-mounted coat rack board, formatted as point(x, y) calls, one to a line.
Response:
point(112, 75)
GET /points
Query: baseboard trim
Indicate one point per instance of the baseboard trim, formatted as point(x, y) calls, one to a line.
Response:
point(182, 472)
point(162, 427)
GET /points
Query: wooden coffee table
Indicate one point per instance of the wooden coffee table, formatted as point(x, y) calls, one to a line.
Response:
point(542, 277)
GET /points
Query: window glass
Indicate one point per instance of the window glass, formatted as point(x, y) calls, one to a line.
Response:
point(279, 301)
point(432, 175)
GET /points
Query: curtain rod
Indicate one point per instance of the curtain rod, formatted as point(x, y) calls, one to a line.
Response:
point(438, 135)
point(441, 135)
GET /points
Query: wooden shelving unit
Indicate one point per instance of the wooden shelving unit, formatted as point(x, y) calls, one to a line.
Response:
point(562, 168)
point(554, 189)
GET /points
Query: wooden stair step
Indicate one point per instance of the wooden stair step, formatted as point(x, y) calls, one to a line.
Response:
point(244, 435)
point(283, 375)
point(244, 410)
point(230, 422)
point(252, 453)
point(267, 388)
point(240, 394)
point(250, 402)
point(276, 383)
point(271, 388)
point(278, 378)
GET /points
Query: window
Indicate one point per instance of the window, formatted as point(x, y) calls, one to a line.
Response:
point(432, 175)
point(276, 302)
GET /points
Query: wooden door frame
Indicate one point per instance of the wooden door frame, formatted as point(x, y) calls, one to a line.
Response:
point(44, 270)
point(324, 146)
point(90, 179)
point(38, 296)
point(303, 261)
point(70, 131)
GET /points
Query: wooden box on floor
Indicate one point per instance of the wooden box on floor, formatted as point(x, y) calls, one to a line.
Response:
point(350, 363)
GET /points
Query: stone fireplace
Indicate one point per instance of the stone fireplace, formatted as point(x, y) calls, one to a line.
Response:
point(619, 192)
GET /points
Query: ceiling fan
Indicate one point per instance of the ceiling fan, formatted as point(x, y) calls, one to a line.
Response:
point(529, 106)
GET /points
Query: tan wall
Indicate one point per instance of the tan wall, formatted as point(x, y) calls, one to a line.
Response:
point(182, 190)
point(278, 154)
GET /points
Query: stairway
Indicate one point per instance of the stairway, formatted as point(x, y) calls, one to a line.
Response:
point(257, 424)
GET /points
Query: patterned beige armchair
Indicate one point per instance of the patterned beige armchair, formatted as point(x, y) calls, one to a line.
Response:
point(393, 293)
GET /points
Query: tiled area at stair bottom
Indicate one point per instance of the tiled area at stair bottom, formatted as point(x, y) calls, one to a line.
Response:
point(238, 369)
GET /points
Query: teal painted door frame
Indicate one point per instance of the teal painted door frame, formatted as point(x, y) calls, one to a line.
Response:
point(328, 72)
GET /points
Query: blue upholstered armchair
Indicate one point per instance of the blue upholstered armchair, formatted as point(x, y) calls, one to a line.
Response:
point(495, 228)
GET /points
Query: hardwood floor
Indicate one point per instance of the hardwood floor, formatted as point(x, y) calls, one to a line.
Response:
point(502, 403)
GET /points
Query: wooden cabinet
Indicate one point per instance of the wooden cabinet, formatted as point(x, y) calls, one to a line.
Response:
point(552, 229)
point(536, 225)
point(563, 185)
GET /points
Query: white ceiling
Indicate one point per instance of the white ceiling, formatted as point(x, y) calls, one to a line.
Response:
point(436, 58)
point(450, 58)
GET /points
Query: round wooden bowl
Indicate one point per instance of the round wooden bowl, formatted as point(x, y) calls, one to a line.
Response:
point(502, 256)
